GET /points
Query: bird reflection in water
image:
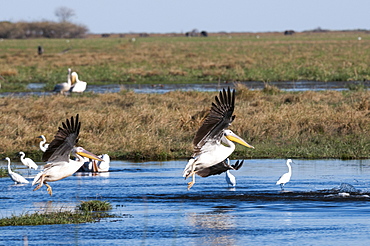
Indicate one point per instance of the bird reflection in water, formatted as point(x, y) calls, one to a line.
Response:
point(51, 207)
point(218, 221)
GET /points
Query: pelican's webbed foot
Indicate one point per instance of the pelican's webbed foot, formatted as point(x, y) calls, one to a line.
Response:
point(49, 189)
point(41, 182)
point(191, 183)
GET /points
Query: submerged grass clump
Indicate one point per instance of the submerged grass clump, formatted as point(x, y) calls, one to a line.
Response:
point(94, 205)
point(63, 217)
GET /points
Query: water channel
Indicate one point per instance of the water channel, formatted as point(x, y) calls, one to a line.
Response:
point(325, 203)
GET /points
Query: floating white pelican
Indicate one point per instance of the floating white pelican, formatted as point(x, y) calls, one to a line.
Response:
point(65, 86)
point(78, 86)
point(285, 178)
point(59, 165)
point(43, 144)
point(28, 162)
point(213, 142)
point(17, 178)
point(96, 166)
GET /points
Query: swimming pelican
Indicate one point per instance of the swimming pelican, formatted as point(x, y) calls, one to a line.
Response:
point(28, 162)
point(59, 165)
point(78, 86)
point(17, 178)
point(65, 86)
point(96, 166)
point(213, 141)
point(43, 144)
point(285, 178)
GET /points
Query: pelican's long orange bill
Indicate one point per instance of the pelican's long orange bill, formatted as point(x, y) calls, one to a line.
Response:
point(90, 155)
point(235, 138)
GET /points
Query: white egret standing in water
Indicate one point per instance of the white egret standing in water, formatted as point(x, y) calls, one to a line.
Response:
point(213, 141)
point(285, 178)
point(43, 144)
point(230, 179)
point(17, 178)
point(28, 162)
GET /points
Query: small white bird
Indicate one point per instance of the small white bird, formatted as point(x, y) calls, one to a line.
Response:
point(78, 86)
point(230, 179)
point(285, 178)
point(17, 178)
point(43, 145)
point(28, 161)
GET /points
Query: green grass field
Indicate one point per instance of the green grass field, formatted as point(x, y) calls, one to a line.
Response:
point(331, 56)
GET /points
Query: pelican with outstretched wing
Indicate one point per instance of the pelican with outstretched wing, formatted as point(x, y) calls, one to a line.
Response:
point(213, 142)
point(59, 165)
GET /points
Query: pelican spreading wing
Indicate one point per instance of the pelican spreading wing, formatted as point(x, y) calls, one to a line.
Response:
point(213, 141)
point(78, 86)
point(59, 165)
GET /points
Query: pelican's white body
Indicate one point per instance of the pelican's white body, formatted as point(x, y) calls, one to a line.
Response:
point(211, 154)
point(78, 86)
point(58, 170)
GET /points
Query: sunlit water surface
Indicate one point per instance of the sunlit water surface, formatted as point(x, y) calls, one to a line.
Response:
point(155, 207)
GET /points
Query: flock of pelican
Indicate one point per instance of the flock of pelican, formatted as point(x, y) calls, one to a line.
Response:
point(213, 144)
point(73, 84)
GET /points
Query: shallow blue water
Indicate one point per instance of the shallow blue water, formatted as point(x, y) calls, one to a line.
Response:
point(163, 88)
point(157, 209)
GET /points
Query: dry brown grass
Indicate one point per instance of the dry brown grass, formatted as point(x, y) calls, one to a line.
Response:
point(154, 126)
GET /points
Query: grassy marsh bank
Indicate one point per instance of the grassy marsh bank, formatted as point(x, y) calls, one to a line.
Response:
point(331, 56)
point(86, 212)
point(325, 124)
